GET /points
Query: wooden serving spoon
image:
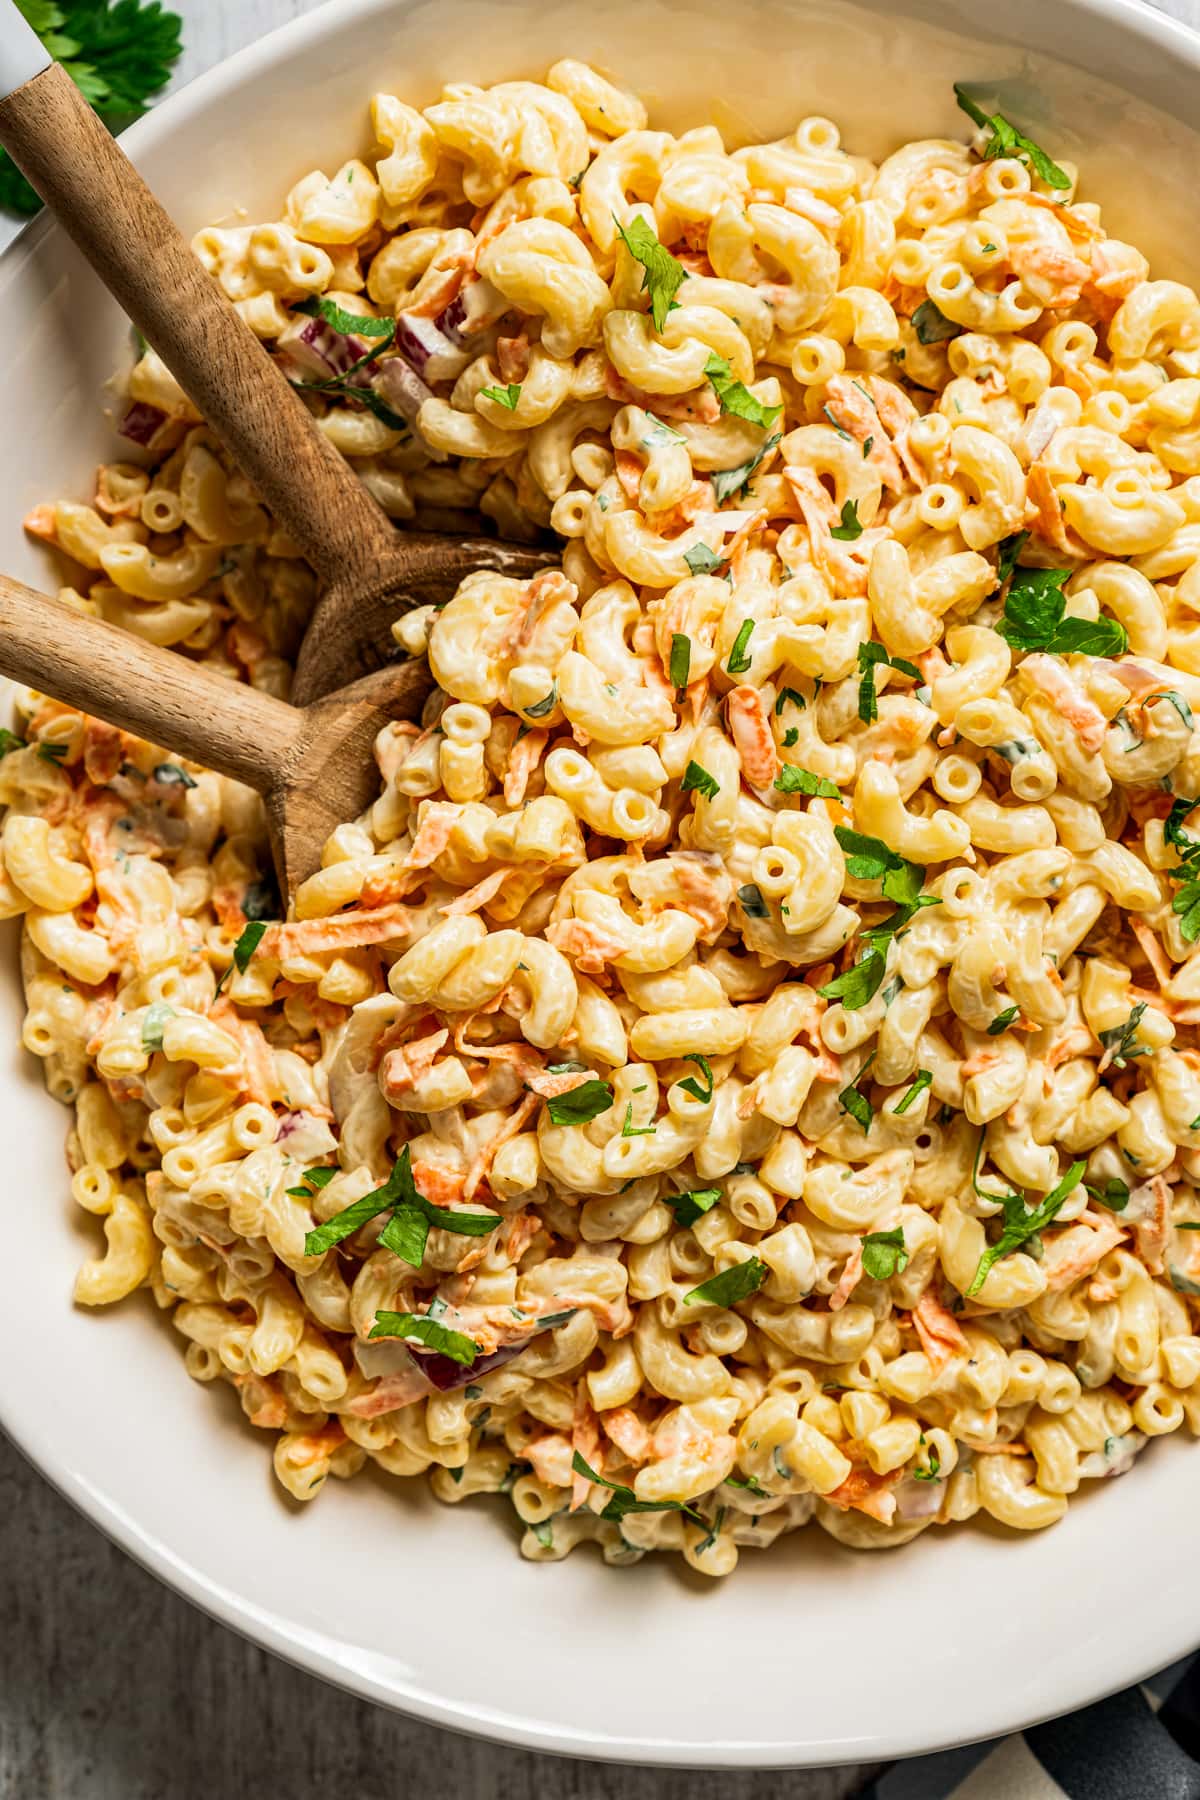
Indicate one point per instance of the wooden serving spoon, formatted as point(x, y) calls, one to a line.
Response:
point(368, 571)
point(311, 764)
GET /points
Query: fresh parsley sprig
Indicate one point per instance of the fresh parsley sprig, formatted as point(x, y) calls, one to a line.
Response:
point(580, 1105)
point(856, 1104)
point(1186, 902)
point(850, 528)
point(884, 1254)
point(119, 55)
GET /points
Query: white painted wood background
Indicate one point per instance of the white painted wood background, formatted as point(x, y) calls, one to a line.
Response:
point(112, 1688)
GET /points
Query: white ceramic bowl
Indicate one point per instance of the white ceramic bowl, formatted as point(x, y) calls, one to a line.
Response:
point(810, 1653)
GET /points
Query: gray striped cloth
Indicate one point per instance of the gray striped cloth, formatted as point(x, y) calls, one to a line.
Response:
point(1142, 1744)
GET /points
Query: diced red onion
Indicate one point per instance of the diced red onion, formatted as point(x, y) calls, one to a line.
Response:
point(445, 1374)
point(318, 349)
point(431, 354)
point(142, 423)
point(476, 306)
point(401, 387)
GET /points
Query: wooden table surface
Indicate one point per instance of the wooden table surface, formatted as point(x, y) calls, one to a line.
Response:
point(113, 1688)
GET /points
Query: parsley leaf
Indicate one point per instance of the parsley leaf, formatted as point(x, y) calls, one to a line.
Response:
point(701, 561)
point(1002, 1021)
point(752, 902)
point(690, 1206)
point(118, 55)
point(1020, 1224)
point(856, 1104)
point(932, 326)
point(9, 741)
point(690, 1085)
point(412, 1216)
point(869, 859)
point(1119, 1042)
point(933, 1471)
point(791, 779)
point(859, 984)
point(694, 776)
point(543, 707)
point(739, 662)
point(629, 1129)
point(884, 1254)
point(582, 1104)
point(923, 1080)
point(1008, 551)
point(681, 660)
point(731, 481)
point(349, 324)
point(664, 275)
point(734, 397)
point(786, 694)
point(1006, 140)
point(736, 1283)
point(849, 529)
point(506, 397)
point(243, 950)
point(624, 1500)
point(1114, 1194)
point(868, 655)
point(1034, 610)
point(454, 1344)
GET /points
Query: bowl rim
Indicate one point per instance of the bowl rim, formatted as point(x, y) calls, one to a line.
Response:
point(317, 1656)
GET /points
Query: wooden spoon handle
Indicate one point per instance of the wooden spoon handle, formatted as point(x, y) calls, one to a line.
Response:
point(103, 204)
point(156, 694)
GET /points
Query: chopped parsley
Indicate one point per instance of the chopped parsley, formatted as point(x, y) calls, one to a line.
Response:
point(701, 561)
point(739, 662)
point(932, 326)
point(349, 324)
point(1119, 1042)
point(624, 1500)
point(849, 529)
point(1034, 618)
point(693, 1204)
point(786, 694)
point(690, 1085)
point(1002, 1021)
point(793, 780)
point(582, 1104)
point(664, 275)
point(697, 777)
point(857, 985)
point(313, 1180)
point(680, 666)
point(1020, 1224)
point(735, 1283)
point(752, 902)
point(856, 1104)
point(1114, 1194)
point(884, 1254)
point(412, 1217)
point(1006, 140)
point(727, 482)
point(735, 398)
point(868, 656)
point(243, 950)
point(924, 1079)
point(454, 1344)
point(630, 1130)
point(541, 708)
point(507, 397)
point(1186, 902)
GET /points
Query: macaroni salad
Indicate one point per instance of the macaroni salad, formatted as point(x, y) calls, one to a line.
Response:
point(742, 1070)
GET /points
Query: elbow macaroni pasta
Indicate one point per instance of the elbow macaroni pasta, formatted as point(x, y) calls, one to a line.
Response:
point(867, 924)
